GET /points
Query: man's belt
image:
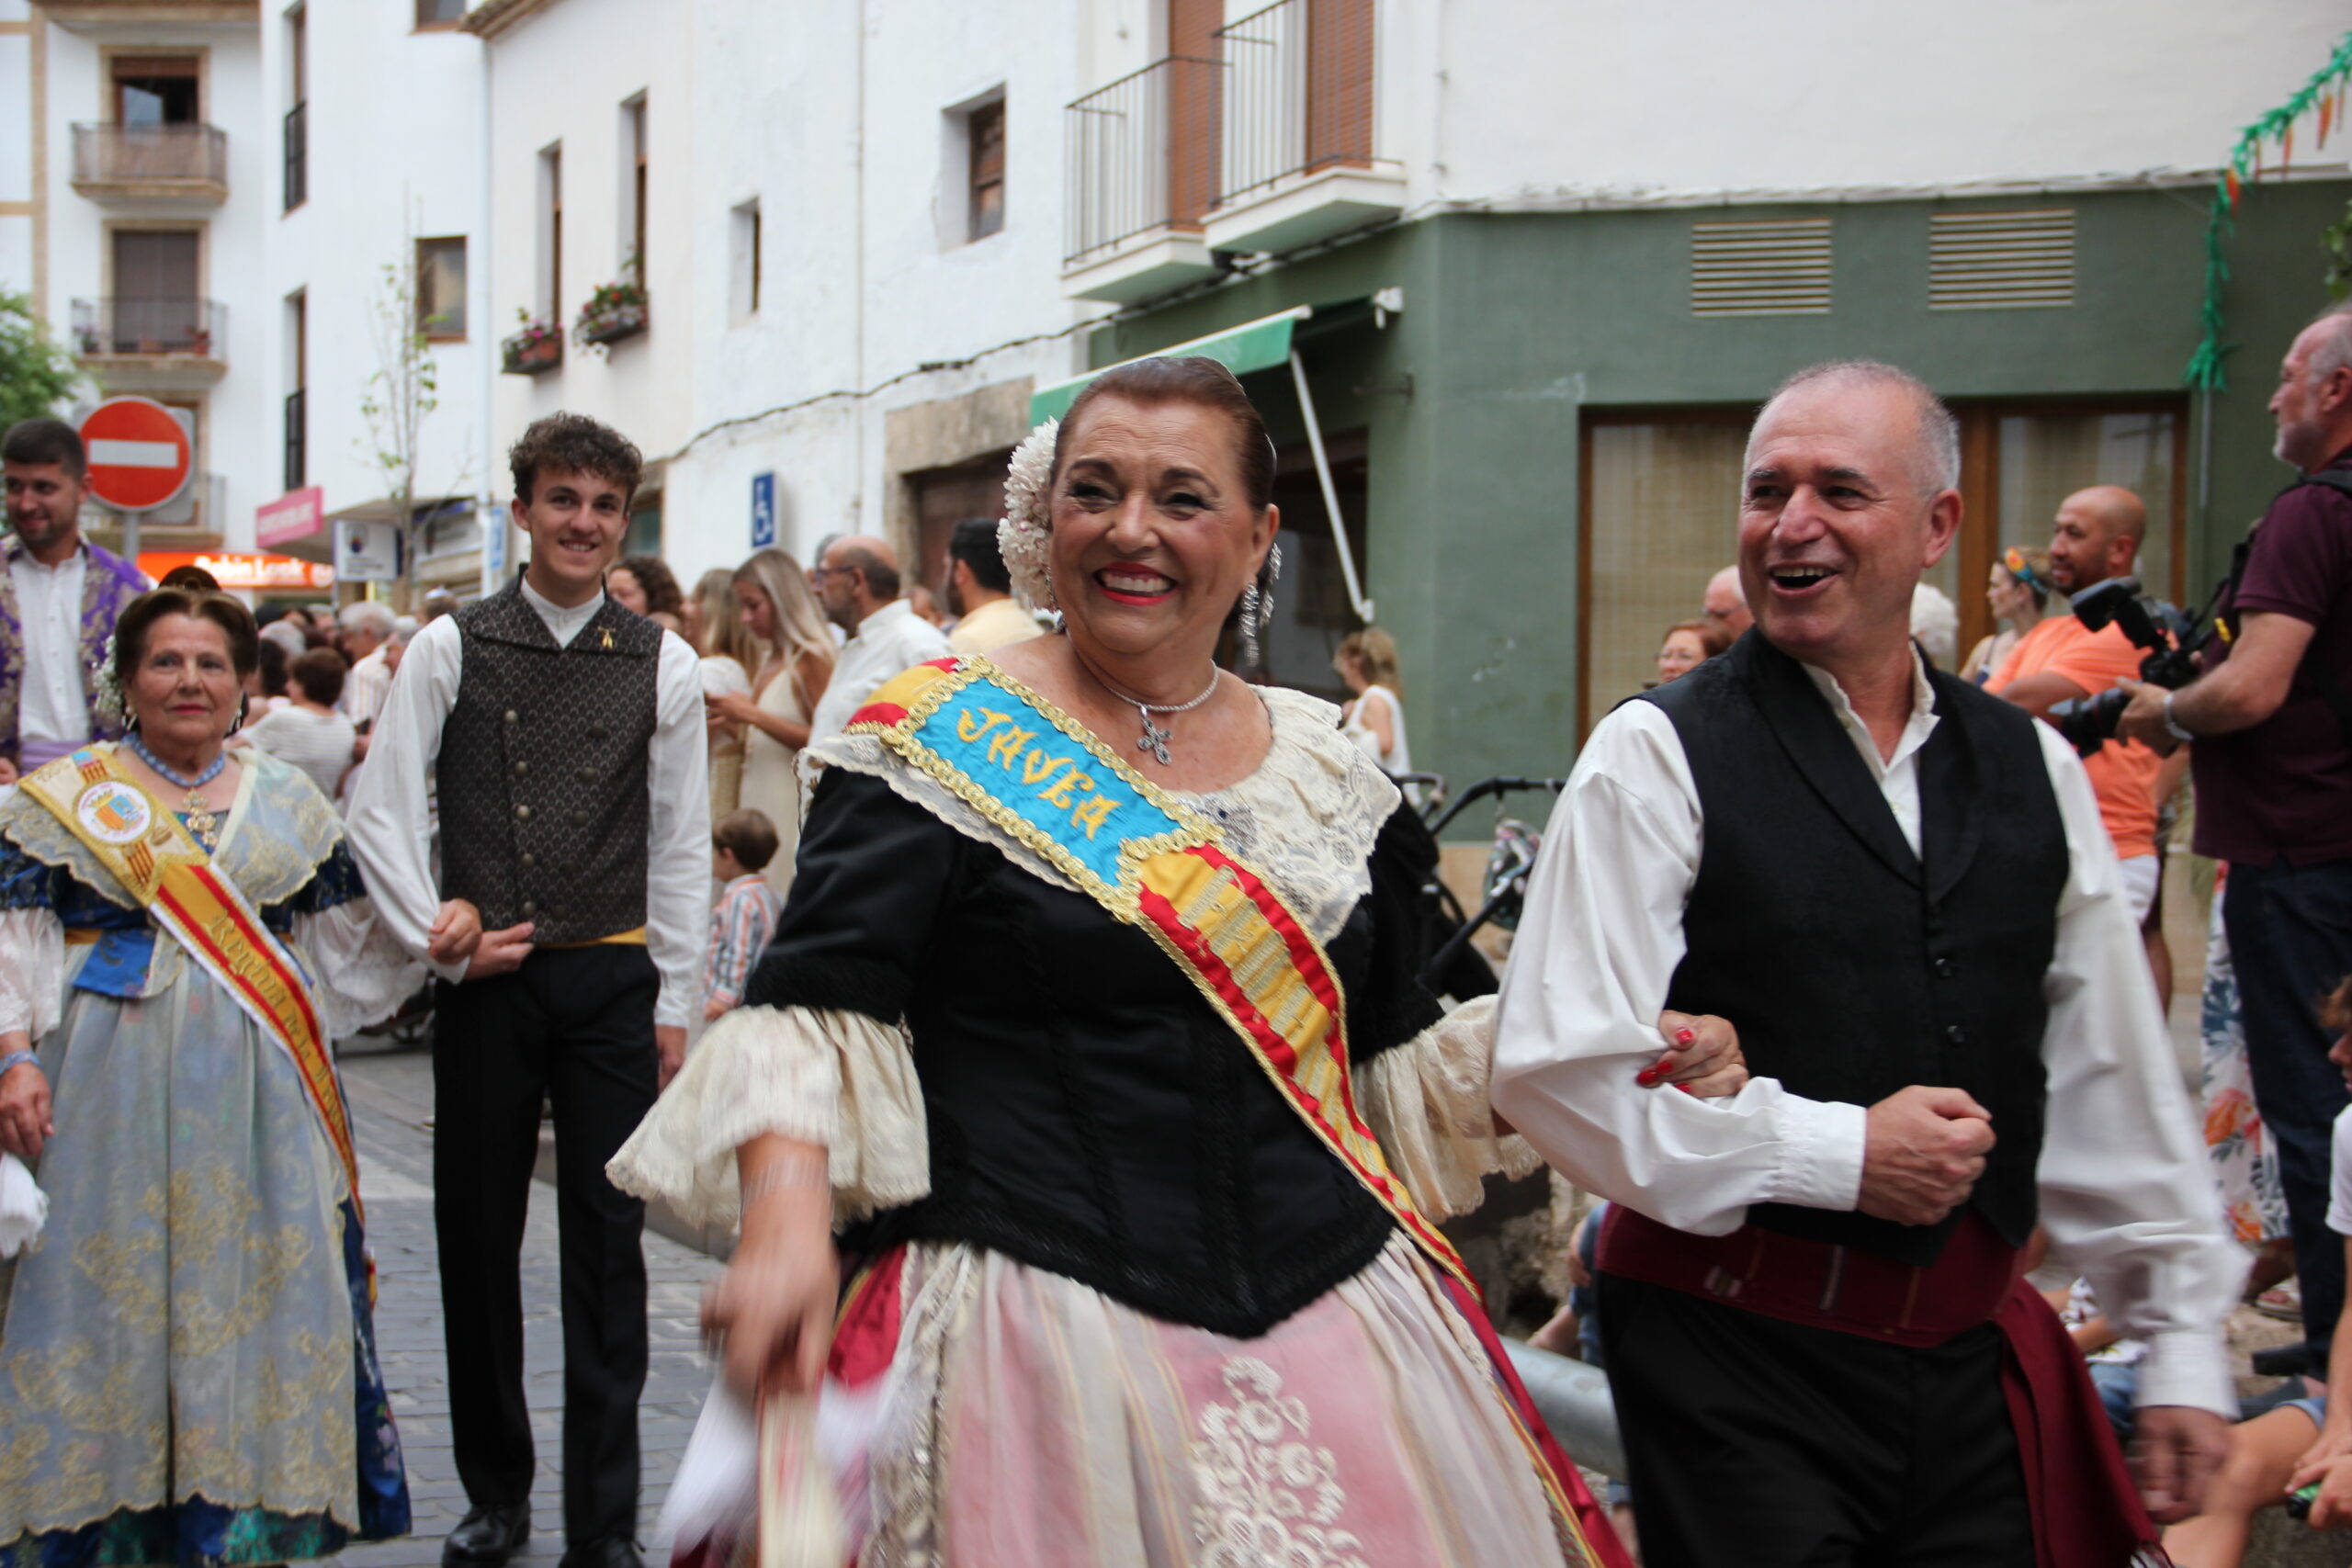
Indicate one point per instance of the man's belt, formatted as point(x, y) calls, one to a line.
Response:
point(1820, 1285)
point(633, 937)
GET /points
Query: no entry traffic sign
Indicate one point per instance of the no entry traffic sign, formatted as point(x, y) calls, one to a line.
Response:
point(140, 456)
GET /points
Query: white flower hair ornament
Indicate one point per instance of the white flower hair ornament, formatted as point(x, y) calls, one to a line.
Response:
point(105, 687)
point(1025, 536)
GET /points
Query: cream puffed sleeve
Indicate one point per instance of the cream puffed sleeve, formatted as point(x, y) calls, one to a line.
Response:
point(1427, 1102)
point(828, 1076)
point(32, 971)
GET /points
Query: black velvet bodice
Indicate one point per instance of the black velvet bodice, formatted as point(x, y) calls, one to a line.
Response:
point(1089, 1113)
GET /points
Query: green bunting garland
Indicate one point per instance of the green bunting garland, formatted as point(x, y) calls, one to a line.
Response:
point(2325, 94)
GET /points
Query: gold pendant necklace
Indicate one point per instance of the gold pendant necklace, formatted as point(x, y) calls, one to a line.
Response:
point(203, 825)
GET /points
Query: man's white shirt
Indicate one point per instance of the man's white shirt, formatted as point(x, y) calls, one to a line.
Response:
point(392, 822)
point(2126, 1191)
point(890, 639)
point(53, 705)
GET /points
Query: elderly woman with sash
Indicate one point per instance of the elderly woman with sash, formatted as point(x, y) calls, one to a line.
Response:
point(1092, 1020)
point(187, 1373)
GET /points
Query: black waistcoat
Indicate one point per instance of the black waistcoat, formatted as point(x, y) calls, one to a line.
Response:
point(543, 770)
point(1850, 969)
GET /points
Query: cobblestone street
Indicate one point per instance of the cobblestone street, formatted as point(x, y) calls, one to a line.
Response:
point(392, 1099)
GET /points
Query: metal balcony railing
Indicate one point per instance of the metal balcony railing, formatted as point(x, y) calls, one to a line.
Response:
point(150, 327)
point(298, 155)
point(297, 440)
point(1296, 99)
point(196, 155)
point(1143, 153)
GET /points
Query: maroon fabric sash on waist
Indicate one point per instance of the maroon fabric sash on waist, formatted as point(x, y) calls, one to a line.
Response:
point(2087, 1512)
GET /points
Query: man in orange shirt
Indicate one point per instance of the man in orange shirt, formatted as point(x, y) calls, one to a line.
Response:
point(2097, 537)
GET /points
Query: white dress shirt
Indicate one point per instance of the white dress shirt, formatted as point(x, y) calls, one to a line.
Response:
point(892, 639)
point(392, 822)
point(53, 705)
point(365, 685)
point(2127, 1196)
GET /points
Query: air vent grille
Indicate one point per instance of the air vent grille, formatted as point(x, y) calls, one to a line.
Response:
point(1772, 268)
point(2000, 261)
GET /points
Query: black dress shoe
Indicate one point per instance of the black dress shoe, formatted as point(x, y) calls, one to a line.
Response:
point(604, 1552)
point(490, 1534)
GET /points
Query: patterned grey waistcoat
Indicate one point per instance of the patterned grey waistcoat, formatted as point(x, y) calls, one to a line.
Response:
point(543, 770)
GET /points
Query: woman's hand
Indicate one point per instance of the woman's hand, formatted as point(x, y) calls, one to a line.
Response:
point(2325, 1462)
point(772, 1313)
point(733, 707)
point(25, 1107)
point(1702, 1057)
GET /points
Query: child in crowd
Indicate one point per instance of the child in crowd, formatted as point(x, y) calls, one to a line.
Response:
point(742, 844)
point(2303, 1442)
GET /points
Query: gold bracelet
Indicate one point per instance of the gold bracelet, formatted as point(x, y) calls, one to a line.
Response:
point(789, 1170)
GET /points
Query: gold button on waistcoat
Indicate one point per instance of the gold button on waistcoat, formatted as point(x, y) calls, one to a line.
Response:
point(525, 861)
point(522, 814)
point(514, 717)
point(521, 768)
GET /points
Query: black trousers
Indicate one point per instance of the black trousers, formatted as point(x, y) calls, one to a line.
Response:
point(1773, 1445)
point(574, 1025)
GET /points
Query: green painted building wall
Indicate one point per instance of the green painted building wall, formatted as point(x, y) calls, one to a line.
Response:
point(1514, 326)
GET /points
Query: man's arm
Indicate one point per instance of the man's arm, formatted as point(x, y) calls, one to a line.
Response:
point(2126, 1193)
point(677, 882)
point(2039, 693)
point(2245, 689)
point(1596, 950)
point(391, 828)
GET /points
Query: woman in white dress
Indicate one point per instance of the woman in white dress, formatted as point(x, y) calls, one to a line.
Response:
point(715, 625)
point(1376, 720)
point(796, 661)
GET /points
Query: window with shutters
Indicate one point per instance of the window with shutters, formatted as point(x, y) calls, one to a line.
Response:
point(441, 289)
point(986, 134)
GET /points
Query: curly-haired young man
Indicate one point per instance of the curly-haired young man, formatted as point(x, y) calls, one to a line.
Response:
point(566, 927)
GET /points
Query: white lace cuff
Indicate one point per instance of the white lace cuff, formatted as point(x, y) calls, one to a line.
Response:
point(361, 973)
point(32, 971)
point(830, 1077)
point(1426, 1101)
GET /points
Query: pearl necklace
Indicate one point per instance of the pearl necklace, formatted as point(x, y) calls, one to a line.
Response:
point(202, 821)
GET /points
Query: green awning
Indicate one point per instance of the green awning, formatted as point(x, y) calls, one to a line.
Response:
point(1254, 345)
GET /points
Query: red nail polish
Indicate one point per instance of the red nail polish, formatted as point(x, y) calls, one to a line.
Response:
point(1685, 1037)
point(1646, 1076)
point(1687, 1089)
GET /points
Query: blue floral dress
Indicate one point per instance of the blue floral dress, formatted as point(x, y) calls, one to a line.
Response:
point(187, 1366)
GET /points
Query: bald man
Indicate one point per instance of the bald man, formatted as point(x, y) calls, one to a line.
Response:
point(857, 581)
point(2097, 536)
point(1726, 604)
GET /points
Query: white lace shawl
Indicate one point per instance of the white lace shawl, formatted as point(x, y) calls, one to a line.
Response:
point(1307, 820)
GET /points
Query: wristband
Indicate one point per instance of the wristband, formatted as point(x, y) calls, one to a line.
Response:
point(15, 1059)
point(792, 1170)
point(2171, 724)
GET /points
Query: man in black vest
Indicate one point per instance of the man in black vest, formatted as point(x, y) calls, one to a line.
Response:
point(1899, 891)
point(566, 736)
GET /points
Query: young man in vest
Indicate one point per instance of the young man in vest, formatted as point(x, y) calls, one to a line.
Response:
point(1898, 890)
point(566, 929)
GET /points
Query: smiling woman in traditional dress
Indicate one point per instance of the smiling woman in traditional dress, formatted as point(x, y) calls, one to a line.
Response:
point(1143, 1202)
point(187, 1373)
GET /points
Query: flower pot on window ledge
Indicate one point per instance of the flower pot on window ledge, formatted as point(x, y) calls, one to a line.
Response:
point(537, 347)
point(611, 324)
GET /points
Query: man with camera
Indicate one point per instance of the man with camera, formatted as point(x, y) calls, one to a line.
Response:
point(2065, 660)
point(2272, 719)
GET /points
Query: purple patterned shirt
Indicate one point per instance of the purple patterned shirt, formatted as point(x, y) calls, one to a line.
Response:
point(108, 583)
